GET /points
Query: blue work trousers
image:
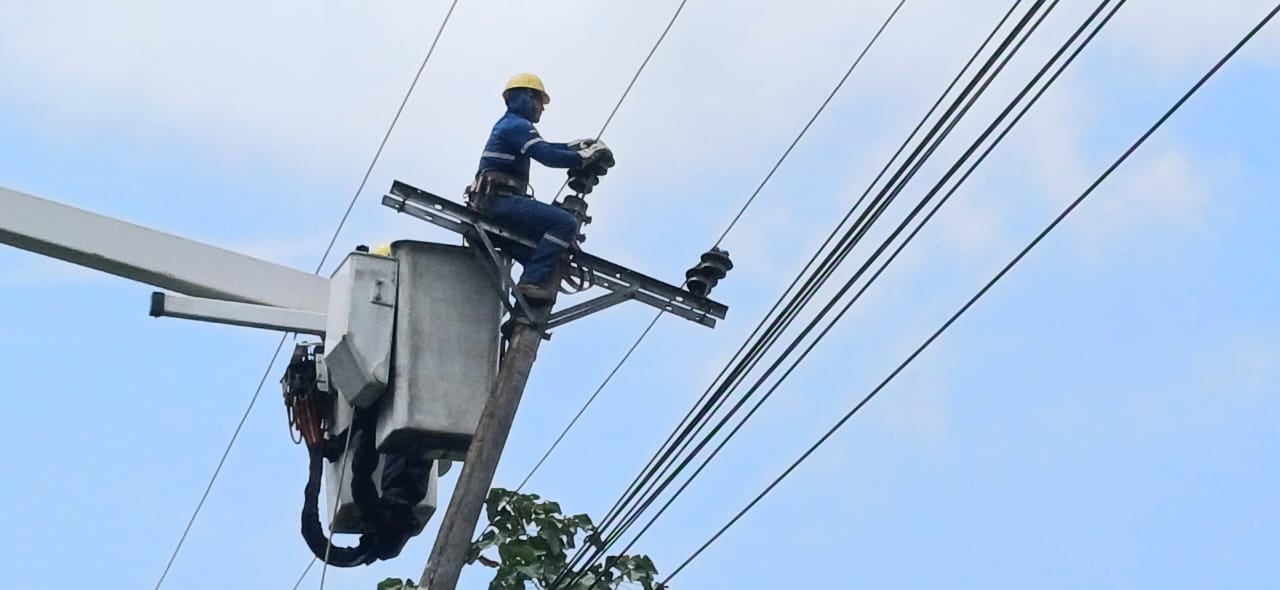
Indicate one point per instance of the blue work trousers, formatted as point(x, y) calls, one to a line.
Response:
point(533, 219)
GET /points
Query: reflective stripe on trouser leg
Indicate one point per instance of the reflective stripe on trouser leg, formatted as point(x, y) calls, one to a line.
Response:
point(555, 240)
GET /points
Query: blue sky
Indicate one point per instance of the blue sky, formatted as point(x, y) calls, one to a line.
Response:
point(1104, 418)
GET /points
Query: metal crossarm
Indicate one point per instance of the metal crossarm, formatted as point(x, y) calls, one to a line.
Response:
point(623, 282)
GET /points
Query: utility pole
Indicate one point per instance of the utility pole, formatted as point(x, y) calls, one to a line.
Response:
point(453, 541)
point(449, 554)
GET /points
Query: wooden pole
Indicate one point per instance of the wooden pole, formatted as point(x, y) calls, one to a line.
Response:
point(449, 555)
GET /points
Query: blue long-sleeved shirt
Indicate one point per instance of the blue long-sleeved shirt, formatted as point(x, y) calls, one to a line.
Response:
point(514, 141)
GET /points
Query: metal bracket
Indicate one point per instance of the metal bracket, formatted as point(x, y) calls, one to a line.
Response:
point(623, 282)
point(503, 277)
point(590, 306)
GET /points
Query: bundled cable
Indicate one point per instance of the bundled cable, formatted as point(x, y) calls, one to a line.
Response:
point(873, 212)
point(388, 519)
point(987, 287)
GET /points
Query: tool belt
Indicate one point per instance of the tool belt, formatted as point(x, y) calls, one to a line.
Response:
point(491, 183)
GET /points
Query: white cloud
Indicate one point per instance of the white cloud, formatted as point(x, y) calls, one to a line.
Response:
point(1172, 36)
point(1164, 186)
point(1162, 190)
point(310, 88)
point(294, 250)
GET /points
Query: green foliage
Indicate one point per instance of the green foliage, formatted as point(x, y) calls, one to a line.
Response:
point(528, 541)
point(532, 540)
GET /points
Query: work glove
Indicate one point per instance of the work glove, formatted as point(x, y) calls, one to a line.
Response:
point(580, 144)
point(598, 156)
point(588, 151)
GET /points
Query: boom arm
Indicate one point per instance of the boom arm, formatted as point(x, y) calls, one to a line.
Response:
point(153, 257)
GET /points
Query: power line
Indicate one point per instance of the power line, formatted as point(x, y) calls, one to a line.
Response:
point(848, 72)
point(305, 571)
point(738, 355)
point(741, 363)
point(698, 413)
point(873, 278)
point(661, 37)
point(643, 334)
point(386, 136)
point(635, 513)
point(218, 469)
point(328, 249)
point(594, 394)
point(726, 231)
point(991, 283)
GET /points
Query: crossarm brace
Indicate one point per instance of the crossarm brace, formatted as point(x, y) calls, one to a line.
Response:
point(590, 306)
point(503, 278)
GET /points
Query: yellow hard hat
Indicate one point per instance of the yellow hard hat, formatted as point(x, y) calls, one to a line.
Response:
point(381, 250)
point(527, 81)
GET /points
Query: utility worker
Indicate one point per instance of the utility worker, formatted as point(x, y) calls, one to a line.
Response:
point(502, 182)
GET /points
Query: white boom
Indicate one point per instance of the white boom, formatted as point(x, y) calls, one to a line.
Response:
point(166, 261)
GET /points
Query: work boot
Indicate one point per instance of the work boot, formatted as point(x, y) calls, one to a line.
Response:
point(536, 292)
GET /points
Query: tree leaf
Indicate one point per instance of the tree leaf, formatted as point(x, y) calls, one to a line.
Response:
point(583, 521)
point(517, 553)
point(553, 537)
point(531, 537)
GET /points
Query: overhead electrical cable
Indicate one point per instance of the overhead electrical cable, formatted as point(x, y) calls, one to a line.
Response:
point(621, 99)
point(280, 345)
point(873, 278)
point(305, 571)
point(656, 44)
point(987, 287)
point(614, 535)
point(697, 413)
point(386, 136)
point(740, 367)
point(645, 332)
point(803, 130)
point(732, 223)
point(324, 567)
point(634, 514)
point(221, 461)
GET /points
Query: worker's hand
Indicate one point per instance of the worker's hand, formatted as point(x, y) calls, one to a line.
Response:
point(596, 151)
point(600, 161)
point(579, 144)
